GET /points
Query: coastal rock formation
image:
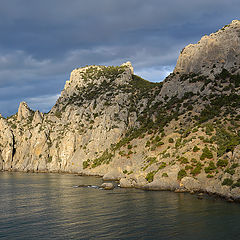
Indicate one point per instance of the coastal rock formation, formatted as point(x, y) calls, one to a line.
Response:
point(181, 134)
point(114, 174)
point(107, 186)
point(126, 183)
point(190, 184)
point(6, 144)
point(212, 53)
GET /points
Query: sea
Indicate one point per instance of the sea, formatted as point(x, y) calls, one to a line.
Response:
point(52, 206)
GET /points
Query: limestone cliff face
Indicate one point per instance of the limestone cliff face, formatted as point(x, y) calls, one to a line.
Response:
point(183, 133)
point(212, 53)
point(91, 115)
point(6, 145)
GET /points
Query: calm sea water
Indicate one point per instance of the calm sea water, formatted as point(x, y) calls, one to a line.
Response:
point(47, 206)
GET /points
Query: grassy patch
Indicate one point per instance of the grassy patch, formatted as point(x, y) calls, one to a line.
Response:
point(150, 176)
point(104, 159)
point(181, 174)
point(227, 182)
point(206, 154)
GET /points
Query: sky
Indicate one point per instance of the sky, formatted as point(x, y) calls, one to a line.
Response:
point(41, 42)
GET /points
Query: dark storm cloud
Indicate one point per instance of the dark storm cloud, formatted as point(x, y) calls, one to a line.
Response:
point(42, 41)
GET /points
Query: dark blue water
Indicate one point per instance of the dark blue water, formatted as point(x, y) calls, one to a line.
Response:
point(46, 206)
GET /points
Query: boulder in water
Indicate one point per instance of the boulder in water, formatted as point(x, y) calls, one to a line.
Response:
point(107, 186)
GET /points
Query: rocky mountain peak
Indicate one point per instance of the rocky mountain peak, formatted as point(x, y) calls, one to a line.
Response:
point(212, 53)
point(129, 66)
point(81, 77)
point(94, 76)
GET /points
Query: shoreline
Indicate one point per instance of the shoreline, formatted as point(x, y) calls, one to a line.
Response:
point(199, 193)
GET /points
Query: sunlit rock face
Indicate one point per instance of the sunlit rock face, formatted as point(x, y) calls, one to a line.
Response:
point(23, 111)
point(212, 53)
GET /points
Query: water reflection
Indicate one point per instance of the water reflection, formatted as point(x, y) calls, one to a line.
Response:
point(46, 206)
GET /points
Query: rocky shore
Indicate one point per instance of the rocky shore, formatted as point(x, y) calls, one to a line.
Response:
point(182, 134)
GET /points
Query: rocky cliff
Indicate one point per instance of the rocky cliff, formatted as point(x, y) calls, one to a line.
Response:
point(212, 53)
point(182, 134)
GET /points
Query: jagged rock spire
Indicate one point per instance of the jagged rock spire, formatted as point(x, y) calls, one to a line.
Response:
point(37, 118)
point(23, 111)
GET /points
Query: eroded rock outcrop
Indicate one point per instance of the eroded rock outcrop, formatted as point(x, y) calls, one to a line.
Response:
point(212, 53)
point(37, 118)
point(23, 111)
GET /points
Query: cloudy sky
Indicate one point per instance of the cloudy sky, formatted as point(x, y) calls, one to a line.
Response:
point(41, 42)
